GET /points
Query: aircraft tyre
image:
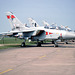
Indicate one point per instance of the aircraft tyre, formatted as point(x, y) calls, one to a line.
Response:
point(55, 45)
point(53, 42)
point(66, 42)
point(72, 40)
point(38, 44)
point(23, 44)
point(42, 42)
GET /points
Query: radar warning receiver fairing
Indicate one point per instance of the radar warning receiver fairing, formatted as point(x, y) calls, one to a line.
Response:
point(35, 33)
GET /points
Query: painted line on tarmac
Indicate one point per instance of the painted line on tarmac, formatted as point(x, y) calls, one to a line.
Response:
point(6, 71)
point(43, 56)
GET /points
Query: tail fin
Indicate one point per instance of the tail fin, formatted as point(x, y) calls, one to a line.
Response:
point(45, 23)
point(33, 22)
point(14, 21)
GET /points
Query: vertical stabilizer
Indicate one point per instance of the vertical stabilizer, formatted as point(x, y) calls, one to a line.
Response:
point(14, 21)
point(46, 25)
point(33, 22)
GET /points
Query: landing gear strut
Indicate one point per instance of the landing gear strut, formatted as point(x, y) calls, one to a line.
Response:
point(66, 42)
point(55, 44)
point(42, 42)
point(38, 43)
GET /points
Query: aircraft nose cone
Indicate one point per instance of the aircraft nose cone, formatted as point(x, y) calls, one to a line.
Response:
point(71, 35)
point(68, 35)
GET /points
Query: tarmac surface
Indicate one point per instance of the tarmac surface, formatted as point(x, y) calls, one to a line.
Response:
point(45, 60)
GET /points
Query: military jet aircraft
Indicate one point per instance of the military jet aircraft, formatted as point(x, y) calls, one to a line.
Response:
point(35, 33)
point(61, 27)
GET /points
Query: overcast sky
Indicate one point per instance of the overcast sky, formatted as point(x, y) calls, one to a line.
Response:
point(61, 12)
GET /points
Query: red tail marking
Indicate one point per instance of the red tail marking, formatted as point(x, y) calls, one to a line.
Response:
point(12, 16)
point(8, 17)
point(46, 33)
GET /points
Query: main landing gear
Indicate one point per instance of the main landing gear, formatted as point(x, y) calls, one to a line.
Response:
point(66, 42)
point(38, 44)
point(55, 44)
point(23, 44)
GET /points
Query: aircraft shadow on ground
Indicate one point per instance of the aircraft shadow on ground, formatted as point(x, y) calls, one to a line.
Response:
point(51, 45)
point(67, 46)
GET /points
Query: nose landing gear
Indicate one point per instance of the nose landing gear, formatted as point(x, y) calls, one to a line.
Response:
point(55, 44)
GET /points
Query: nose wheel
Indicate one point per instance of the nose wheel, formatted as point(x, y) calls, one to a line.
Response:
point(55, 44)
point(66, 42)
